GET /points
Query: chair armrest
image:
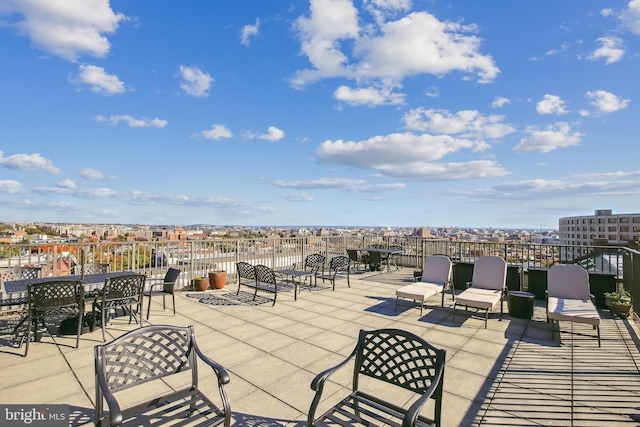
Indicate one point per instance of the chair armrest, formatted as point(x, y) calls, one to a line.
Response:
point(220, 371)
point(592, 297)
point(469, 284)
point(115, 412)
point(413, 412)
point(318, 385)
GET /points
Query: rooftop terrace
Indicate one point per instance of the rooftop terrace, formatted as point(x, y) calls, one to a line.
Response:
point(511, 373)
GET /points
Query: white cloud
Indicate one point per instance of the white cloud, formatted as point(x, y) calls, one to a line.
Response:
point(320, 183)
point(66, 28)
point(418, 43)
point(606, 102)
point(421, 171)
point(66, 184)
point(553, 137)
point(249, 31)
point(611, 50)
point(467, 123)
point(393, 148)
point(631, 17)
point(89, 173)
point(98, 80)
point(9, 186)
point(273, 134)
point(28, 162)
point(195, 82)
point(217, 132)
point(133, 122)
point(367, 96)
point(297, 197)
point(500, 102)
point(551, 104)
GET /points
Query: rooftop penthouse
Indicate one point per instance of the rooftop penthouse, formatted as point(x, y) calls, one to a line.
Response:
point(510, 373)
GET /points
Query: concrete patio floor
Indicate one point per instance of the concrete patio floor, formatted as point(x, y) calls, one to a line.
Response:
point(511, 373)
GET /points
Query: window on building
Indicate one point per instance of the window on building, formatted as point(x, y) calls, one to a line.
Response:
point(612, 229)
point(625, 237)
point(624, 220)
point(611, 220)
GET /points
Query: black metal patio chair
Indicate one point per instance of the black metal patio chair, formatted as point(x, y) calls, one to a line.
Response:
point(397, 358)
point(163, 287)
point(339, 266)
point(157, 354)
point(124, 292)
point(53, 298)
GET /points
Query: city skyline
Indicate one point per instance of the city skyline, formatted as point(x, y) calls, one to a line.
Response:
point(373, 113)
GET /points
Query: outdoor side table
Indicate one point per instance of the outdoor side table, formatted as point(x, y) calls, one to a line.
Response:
point(521, 304)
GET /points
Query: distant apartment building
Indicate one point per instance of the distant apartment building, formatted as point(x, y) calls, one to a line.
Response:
point(603, 228)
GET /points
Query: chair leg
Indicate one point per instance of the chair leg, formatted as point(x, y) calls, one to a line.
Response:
point(149, 306)
point(103, 320)
point(164, 303)
point(173, 298)
point(598, 328)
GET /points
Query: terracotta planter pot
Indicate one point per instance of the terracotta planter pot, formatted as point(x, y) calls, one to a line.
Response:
point(217, 279)
point(201, 284)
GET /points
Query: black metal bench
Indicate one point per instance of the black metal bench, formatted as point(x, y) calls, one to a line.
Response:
point(395, 357)
point(257, 277)
point(148, 359)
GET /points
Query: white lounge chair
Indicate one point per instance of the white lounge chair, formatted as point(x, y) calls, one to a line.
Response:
point(569, 298)
point(487, 286)
point(436, 277)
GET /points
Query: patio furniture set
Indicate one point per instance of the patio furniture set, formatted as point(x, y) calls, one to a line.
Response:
point(397, 358)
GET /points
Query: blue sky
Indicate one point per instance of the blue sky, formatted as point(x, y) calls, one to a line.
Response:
point(328, 112)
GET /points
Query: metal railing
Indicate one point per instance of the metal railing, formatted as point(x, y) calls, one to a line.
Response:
point(197, 257)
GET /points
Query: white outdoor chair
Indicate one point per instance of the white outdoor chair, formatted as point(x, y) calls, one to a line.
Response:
point(436, 277)
point(569, 298)
point(487, 286)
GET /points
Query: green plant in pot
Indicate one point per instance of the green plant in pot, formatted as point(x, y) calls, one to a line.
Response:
point(618, 302)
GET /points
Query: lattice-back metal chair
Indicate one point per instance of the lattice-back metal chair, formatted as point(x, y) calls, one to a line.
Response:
point(53, 298)
point(91, 268)
point(266, 280)
point(246, 275)
point(338, 266)
point(314, 264)
point(164, 287)
point(149, 354)
point(123, 292)
point(17, 273)
point(395, 357)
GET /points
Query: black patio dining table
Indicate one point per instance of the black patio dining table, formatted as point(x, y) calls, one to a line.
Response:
point(90, 281)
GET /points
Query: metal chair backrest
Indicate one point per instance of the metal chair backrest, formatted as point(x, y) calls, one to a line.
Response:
point(314, 262)
point(489, 272)
point(401, 358)
point(568, 281)
point(353, 255)
point(245, 271)
point(170, 280)
point(437, 269)
point(91, 268)
point(144, 355)
point(55, 294)
point(123, 288)
point(19, 273)
point(265, 274)
point(339, 263)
